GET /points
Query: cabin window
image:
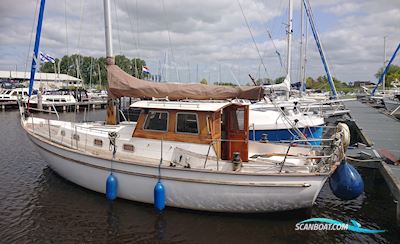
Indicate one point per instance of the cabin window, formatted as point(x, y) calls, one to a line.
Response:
point(187, 123)
point(98, 142)
point(157, 121)
point(129, 147)
point(240, 118)
point(237, 119)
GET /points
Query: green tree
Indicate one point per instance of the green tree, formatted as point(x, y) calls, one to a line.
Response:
point(310, 82)
point(204, 82)
point(392, 74)
point(279, 79)
point(87, 67)
point(136, 67)
point(124, 63)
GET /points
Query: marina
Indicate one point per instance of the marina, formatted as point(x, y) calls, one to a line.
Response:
point(114, 148)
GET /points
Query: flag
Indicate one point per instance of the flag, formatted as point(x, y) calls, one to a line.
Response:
point(46, 58)
point(145, 70)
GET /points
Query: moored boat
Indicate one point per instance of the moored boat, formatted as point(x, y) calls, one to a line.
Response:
point(193, 147)
point(191, 153)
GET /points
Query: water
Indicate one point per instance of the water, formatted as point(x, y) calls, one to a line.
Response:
point(37, 205)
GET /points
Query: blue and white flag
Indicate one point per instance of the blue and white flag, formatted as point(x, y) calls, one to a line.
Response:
point(46, 58)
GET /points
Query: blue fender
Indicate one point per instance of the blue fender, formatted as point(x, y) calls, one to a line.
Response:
point(159, 196)
point(346, 183)
point(111, 187)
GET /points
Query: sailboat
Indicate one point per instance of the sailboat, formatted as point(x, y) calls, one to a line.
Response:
point(283, 119)
point(189, 151)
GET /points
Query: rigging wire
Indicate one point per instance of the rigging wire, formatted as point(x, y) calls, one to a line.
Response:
point(252, 37)
point(234, 76)
point(66, 34)
point(78, 58)
point(30, 40)
point(118, 27)
point(275, 25)
point(169, 42)
point(276, 49)
point(327, 56)
point(132, 33)
point(305, 58)
point(137, 36)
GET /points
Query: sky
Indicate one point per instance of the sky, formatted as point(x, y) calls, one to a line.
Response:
point(190, 40)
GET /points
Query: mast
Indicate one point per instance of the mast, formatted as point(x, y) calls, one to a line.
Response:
point(307, 7)
point(289, 49)
point(301, 48)
point(111, 103)
point(386, 70)
point(289, 39)
point(35, 59)
point(108, 31)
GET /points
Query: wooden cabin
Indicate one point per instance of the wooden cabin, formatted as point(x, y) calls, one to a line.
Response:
point(225, 124)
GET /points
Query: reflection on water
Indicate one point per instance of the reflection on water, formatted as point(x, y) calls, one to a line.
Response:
point(37, 205)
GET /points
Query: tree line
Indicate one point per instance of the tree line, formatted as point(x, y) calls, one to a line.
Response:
point(92, 70)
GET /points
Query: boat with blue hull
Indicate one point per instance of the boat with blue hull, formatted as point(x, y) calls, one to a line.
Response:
point(288, 134)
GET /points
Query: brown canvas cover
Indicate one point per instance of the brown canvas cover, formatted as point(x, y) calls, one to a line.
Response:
point(121, 84)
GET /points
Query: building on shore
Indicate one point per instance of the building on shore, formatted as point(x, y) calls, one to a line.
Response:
point(43, 81)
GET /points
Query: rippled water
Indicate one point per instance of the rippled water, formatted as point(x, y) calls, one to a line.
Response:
point(37, 205)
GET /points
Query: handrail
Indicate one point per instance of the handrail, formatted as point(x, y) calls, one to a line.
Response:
point(55, 110)
point(123, 115)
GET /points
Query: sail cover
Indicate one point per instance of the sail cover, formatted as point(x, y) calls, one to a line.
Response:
point(121, 84)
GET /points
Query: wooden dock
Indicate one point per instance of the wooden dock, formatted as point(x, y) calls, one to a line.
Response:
point(385, 132)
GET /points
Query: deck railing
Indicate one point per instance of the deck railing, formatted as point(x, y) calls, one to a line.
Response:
point(69, 134)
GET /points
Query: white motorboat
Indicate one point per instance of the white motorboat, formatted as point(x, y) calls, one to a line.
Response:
point(56, 98)
point(14, 95)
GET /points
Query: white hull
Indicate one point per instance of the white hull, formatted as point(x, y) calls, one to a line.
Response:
point(185, 188)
